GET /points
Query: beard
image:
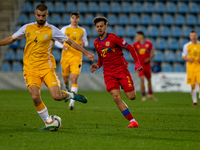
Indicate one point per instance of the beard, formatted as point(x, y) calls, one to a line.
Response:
point(41, 22)
point(101, 34)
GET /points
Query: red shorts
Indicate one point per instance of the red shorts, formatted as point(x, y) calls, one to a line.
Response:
point(146, 71)
point(114, 81)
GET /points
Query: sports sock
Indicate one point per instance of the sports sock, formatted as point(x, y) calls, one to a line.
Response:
point(127, 114)
point(74, 88)
point(150, 92)
point(194, 96)
point(68, 94)
point(42, 111)
point(143, 93)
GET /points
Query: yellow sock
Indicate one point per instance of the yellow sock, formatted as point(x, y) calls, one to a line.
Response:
point(42, 111)
point(66, 95)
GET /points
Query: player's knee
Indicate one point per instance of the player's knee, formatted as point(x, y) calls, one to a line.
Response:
point(132, 97)
point(57, 97)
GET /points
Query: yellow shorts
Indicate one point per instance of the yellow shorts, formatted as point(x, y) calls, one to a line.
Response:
point(36, 77)
point(71, 65)
point(193, 78)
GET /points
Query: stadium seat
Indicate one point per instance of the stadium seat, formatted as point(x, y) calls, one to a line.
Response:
point(119, 30)
point(145, 19)
point(166, 67)
point(161, 44)
point(70, 7)
point(59, 7)
point(88, 30)
point(159, 7)
point(81, 20)
point(182, 42)
point(82, 7)
point(179, 20)
point(14, 45)
point(27, 7)
point(191, 20)
point(128, 40)
point(152, 40)
point(104, 7)
point(159, 56)
point(173, 44)
point(19, 55)
point(170, 56)
point(131, 67)
point(94, 32)
point(50, 6)
point(182, 7)
point(153, 31)
point(156, 19)
point(112, 19)
point(126, 54)
point(178, 67)
point(6, 67)
point(85, 67)
point(176, 32)
point(22, 43)
point(143, 29)
point(109, 29)
point(123, 19)
point(197, 29)
point(65, 19)
point(130, 31)
point(17, 66)
point(88, 20)
point(35, 4)
point(179, 57)
point(164, 31)
point(92, 7)
point(186, 31)
point(55, 19)
point(137, 7)
point(23, 19)
point(115, 7)
point(168, 19)
point(148, 7)
point(198, 20)
point(91, 43)
point(32, 18)
point(10, 55)
point(193, 8)
point(134, 19)
point(56, 54)
point(170, 7)
point(126, 7)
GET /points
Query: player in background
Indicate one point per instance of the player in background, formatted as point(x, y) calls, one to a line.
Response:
point(145, 53)
point(109, 49)
point(191, 54)
point(71, 60)
point(39, 63)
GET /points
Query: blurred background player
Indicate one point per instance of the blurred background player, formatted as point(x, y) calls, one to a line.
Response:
point(145, 53)
point(155, 67)
point(71, 60)
point(39, 63)
point(109, 49)
point(191, 54)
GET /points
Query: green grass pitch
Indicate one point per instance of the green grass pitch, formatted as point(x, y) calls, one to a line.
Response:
point(171, 123)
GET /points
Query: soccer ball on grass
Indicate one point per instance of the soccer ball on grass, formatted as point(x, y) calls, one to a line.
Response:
point(53, 123)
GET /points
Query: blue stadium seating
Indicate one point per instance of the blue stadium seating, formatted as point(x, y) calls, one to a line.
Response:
point(6, 67)
point(85, 67)
point(91, 43)
point(10, 55)
point(82, 7)
point(119, 30)
point(59, 68)
point(193, 8)
point(92, 7)
point(186, 31)
point(123, 19)
point(170, 7)
point(156, 19)
point(17, 66)
point(166, 67)
point(56, 54)
point(159, 7)
point(22, 43)
point(88, 20)
point(133, 19)
point(182, 42)
point(153, 31)
point(197, 29)
point(159, 56)
point(143, 29)
point(161, 44)
point(109, 29)
point(179, 57)
point(104, 7)
point(126, 54)
point(115, 7)
point(182, 7)
point(164, 31)
point(112, 19)
point(176, 32)
point(170, 56)
point(130, 31)
point(23, 19)
point(198, 20)
point(88, 30)
point(55, 19)
point(191, 20)
point(126, 7)
point(70, 7)
point(152, 40)
point(94, 32)
point(66, 19)
point(32, 18)
point(148, 7)
point(128, 40)
point(14, 45)
point(59, 7)
point(50, 6)
point(137, 7)
point(168, 19)
point(35, 4)
point(131, 67)
point(173, 44)
point(179, 20)
point(145, 19)
point(27, 7)
point(19, 55)
point(178, 68)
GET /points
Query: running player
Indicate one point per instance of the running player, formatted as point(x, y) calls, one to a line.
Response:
point(145, 53)
point(38, 61)
point(71, 58)
point(109, 49)
point(191, 54)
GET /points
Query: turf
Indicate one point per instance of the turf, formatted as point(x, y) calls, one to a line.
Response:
point(170, 123)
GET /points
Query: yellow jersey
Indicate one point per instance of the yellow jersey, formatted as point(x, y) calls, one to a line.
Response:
point(39, 42)
point(191, 50)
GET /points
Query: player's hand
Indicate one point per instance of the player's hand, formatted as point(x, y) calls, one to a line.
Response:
point(190, 59)
point(90, 56)
point(65, 47)
point(94, 68)
point(138, 67)
point(147, 60)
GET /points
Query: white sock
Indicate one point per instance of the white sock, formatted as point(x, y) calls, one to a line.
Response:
point(194, 96)
point(70, 95)
point(74, 89)
point(132, 120)
point(44, 114)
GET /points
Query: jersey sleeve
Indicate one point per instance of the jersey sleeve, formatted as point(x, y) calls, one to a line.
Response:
point(57, 43)
point(20, 34)
point(58, 35)
point(184, 53)
point(120, 42)
point(84, 38)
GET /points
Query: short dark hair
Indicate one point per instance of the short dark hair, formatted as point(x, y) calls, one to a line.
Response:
point(193, 31)
point(42, 7)
point(98, 19)
point(140, 33)
point(77, 14)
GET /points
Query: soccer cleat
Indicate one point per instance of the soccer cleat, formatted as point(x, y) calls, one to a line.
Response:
point(152, 97)
point(77, 97)
point(143, 98)
point(133, 124)
point(195, 104)
point(44, 128)
point(71, 106)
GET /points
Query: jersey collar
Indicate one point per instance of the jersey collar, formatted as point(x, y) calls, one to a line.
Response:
point(104, 38)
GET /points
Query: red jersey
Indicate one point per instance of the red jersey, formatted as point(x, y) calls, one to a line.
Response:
point(110, 53)
point(143, 51)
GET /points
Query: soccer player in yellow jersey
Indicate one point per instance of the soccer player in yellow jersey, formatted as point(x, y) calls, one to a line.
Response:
point(38, 61)
point(191, 54)
point(71, 58)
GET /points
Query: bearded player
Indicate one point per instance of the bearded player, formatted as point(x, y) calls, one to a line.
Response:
point(109, 49)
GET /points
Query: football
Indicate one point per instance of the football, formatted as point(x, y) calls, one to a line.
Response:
point(53, 123)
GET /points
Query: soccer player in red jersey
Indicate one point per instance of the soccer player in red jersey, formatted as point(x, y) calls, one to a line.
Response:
point(109, 49)
point(145, 52)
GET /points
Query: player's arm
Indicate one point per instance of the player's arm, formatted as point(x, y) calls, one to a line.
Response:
point(151, 56)
point(7, 40)
point(184, 55)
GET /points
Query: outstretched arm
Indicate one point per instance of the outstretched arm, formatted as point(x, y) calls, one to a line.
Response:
point(151, 56)
point(7, 41)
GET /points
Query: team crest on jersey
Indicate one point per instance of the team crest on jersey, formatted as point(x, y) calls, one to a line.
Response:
point(46, 36)
point(107, 43)
point(146, 45)
point(28, 34)
point(138, 46)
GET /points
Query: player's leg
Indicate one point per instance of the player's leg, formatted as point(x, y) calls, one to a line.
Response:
point(194, 95)
point(142, 86)
point(150, 92)
point(65, 74)
point(192, 81)
point(66, 82)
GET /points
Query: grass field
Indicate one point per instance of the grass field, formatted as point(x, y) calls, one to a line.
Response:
point(171, 123)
